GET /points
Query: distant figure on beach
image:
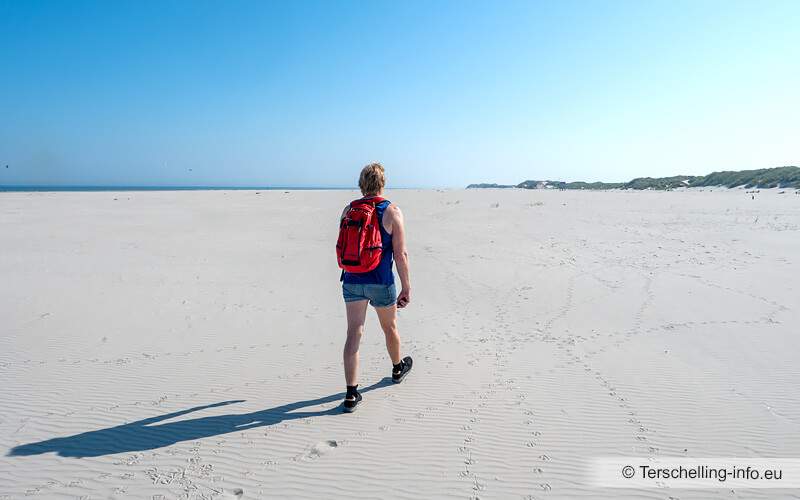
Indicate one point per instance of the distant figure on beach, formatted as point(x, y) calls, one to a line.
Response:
point(376, 286)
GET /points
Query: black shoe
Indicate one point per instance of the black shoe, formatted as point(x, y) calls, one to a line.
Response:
point(350, 404)
point(398, 377)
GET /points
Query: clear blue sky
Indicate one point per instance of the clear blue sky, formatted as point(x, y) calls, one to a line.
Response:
point(296, 93)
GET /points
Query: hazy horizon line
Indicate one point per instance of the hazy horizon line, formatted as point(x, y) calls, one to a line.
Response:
point(103, 187)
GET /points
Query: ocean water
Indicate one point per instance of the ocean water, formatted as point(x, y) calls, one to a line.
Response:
point(162, 188)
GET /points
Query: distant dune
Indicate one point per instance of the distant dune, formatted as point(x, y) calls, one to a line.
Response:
point(784, 177)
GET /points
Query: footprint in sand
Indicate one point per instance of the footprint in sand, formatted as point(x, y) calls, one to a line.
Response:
point(231, 494)
point(320, 449)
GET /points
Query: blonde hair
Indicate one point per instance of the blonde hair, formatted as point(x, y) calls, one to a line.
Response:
point(372, 179)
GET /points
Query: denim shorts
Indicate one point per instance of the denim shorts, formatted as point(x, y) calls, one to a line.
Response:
point(378, 295)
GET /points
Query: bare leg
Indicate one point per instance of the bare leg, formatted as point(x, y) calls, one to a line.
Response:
point(388, 318)
point(356, 315)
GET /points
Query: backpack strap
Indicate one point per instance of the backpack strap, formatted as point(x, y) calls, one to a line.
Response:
point(372, 201)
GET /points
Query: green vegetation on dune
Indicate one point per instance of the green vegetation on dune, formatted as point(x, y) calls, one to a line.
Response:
point(569, 185)
point(484, 186)
point(781, 177)
point(661, 182)
point(593, 185)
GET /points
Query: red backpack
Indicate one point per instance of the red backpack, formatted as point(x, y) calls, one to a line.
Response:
point(359, 248)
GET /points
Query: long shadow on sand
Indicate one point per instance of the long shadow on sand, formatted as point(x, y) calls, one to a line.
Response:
point(143, 435)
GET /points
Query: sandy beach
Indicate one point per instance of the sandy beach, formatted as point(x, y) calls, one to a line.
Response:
point(188, 344)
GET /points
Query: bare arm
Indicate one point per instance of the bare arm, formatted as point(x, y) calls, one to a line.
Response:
point(394, 225)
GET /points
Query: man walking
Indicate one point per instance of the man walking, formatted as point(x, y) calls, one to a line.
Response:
point(376, 287)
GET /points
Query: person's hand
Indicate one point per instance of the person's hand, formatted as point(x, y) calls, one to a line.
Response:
point(403, 299)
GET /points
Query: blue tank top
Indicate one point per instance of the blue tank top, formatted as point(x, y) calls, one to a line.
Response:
point(381, 275)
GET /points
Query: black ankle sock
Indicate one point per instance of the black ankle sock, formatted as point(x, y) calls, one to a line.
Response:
point(399, 366)
point(351, 390)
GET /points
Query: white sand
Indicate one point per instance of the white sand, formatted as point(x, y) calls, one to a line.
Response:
point(188, 344)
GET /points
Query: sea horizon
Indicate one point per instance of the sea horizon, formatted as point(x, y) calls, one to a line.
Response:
point(34, 188)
